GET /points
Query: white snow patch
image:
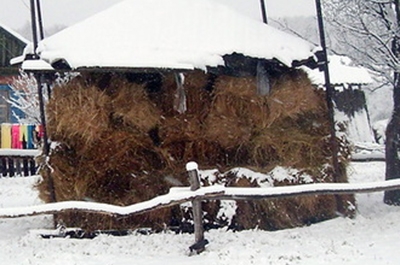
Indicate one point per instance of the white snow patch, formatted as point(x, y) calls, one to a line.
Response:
point(342, 72)
point(191, 166)
point(177, 34)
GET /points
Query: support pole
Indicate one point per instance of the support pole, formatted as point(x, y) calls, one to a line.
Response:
point(200, 242)
point(34, 26)
point(263, 11)
point(40, 20)
point(329, 101)
point(46, 148)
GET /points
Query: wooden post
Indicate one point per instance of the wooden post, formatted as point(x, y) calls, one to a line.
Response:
point(200, 242)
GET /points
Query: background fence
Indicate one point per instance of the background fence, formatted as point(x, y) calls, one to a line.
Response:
point(18, 162)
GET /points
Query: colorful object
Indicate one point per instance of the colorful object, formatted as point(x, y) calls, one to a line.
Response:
point(5, 135)
point(20, 136)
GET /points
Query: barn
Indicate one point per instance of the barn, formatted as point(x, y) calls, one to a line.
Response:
point(157, 84)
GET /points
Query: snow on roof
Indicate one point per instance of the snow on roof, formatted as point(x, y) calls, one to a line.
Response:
point(14, 33)
point(175, 34)
point(342, 72)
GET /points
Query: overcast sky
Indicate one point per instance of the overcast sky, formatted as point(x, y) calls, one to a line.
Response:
point(15, 13)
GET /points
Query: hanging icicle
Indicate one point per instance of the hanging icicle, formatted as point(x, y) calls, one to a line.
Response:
point(180, 96)
point(263, 81)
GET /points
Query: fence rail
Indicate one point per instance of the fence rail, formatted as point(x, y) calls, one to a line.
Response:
point(18, 162)
point(195, 195)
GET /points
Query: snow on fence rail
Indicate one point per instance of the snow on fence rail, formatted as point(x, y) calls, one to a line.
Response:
point(195, 194)
point(183, 194)
point(18, 162)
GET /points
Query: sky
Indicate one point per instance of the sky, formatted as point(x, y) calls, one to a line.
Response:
point(15, 13)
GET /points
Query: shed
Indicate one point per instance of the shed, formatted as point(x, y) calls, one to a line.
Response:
point(351, 111)
point(163, 82)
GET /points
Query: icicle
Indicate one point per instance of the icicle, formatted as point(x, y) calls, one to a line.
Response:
point(263, 82)
point(180, 96)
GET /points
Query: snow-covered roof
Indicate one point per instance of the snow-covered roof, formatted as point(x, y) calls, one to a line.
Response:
point(14, 33)
point(175, 34)
point(342, 72)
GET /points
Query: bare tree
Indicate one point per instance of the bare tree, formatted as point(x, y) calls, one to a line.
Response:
point(369, 31)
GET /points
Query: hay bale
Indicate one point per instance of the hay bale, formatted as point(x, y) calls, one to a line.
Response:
point(293, 94)
point(77, 111)
point(135, 143)
point(236, 111)
point(274, 214)
point(195, 84)
point(131, 107)
point(298, 143)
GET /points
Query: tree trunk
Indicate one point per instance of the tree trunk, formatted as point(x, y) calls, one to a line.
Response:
point(393, 146)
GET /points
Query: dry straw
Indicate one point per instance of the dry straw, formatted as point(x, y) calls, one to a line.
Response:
point(77, 111)
point(122, 144)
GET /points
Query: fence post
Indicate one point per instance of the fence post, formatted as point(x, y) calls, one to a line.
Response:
point(200, 241)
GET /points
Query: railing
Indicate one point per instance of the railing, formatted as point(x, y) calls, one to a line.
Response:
point(18, 162)
point(195, 194)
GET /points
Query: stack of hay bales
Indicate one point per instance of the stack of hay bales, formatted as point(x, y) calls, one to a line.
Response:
point(120, 141)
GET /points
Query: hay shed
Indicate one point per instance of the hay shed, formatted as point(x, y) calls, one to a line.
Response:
point(350, 82)
point(162, 83)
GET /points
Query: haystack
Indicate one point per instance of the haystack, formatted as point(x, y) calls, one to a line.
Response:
point(122, 141)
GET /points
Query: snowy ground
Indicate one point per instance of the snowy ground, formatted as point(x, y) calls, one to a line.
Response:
point(370, 238)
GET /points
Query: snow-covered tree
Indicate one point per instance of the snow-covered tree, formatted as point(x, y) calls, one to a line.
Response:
point(369, 31)
point(24, 97)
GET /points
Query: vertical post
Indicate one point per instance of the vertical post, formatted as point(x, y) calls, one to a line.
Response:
point(46, 147)
point(329, 89)
point(34, 26)
point(200, 242)
point(40, 20)
point(11, 169)
point(329, 101)
point(264, 11)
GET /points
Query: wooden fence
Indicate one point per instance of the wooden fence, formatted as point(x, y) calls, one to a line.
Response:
point(195, 194)
point(18, 162)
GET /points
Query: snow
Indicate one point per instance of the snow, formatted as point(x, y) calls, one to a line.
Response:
point(14, 33)
point(174, 34)
point(358, 129)
point(191, 166)
point(19, 152)
point(179, 195)
point(342, 72)
point(370, 238)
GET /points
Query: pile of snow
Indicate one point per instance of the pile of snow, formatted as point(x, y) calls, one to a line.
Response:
point(341, 71)
point(177, 34)
point(371, 238)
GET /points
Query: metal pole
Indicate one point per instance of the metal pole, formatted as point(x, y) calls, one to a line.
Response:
point(34, 26)
point(329, 98)
point(40, 21)
point(264, 11)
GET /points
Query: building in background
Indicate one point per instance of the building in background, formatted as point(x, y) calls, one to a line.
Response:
point(12, 45)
